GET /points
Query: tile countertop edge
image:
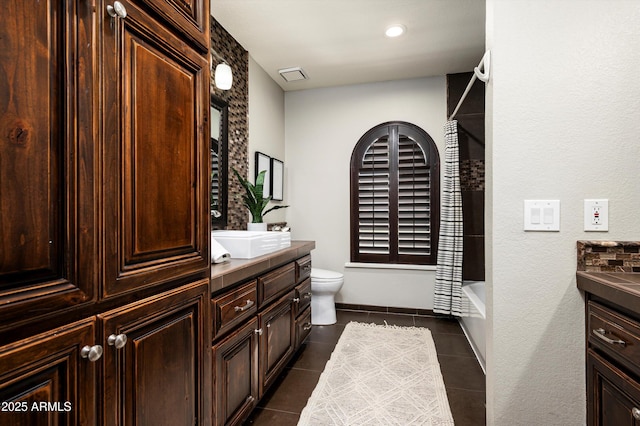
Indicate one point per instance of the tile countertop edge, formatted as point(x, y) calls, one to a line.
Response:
point(225, 274)
point(627, 296)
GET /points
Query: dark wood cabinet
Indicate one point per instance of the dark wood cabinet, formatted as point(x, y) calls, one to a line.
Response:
point(48, 260)
point(150, 365)
point(303, 326)
point(104, 176)
point(262, 315)
point(277, 339)
point(236, 387)
point(44, 380)
point(614, 397)
point(157, 375)
point(156, 154)
point(189, 17)
point(613, 365)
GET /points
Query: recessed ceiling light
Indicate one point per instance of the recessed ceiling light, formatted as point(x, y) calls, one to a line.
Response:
point(395, 30)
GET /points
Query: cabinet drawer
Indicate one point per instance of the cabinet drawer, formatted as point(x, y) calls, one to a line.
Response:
point(232, 308)
point(303, 295)
point(303, 268)
point(276, 283)
point(303, 327)
point(614, 333)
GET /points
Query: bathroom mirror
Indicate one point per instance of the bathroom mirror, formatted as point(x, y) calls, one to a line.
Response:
point(219, 162)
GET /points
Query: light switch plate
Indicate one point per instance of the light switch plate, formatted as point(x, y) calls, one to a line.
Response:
point(541, 215)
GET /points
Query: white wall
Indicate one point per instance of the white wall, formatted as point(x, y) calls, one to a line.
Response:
point(266, 125)
point(322, 127)
point(563, 119)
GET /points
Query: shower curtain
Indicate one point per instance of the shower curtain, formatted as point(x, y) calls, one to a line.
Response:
point(448, 288)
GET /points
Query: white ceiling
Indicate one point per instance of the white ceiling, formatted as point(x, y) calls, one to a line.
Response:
point(340, 42)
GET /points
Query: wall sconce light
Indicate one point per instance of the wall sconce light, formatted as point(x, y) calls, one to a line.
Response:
point(223, 76)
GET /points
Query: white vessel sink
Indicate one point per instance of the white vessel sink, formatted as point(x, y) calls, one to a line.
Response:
point(250, 244)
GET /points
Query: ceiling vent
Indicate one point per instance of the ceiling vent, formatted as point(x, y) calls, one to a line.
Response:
point(293, 74)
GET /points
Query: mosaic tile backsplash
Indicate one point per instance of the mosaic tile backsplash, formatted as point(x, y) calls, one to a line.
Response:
point(609, 256)
point(237, 57)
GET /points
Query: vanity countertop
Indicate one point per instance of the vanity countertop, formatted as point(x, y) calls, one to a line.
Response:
point(236, 270)
point(621, 288)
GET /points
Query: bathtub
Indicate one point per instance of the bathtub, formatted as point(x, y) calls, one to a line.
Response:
point(473, 317)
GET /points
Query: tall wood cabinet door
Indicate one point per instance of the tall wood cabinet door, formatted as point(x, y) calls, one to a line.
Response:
point(190, 17)
point(157, 360)
point(277, 341)
point(156, 154)
point(44, 380)
point(236, 375)
point(46, 158)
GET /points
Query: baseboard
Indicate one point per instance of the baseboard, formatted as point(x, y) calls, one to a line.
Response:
point(385, 309)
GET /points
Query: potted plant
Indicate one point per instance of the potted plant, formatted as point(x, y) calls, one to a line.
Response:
point(254, 200)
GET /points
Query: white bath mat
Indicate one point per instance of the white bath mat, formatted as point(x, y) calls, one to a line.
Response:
point(380, 375)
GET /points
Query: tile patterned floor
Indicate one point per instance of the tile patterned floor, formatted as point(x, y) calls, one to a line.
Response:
point(463, 377)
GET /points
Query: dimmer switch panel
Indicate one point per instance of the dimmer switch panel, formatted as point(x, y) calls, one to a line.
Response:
point(541, 215)
point(596, 215)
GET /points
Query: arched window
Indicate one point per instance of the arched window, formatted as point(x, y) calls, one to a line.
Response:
point(395, 196)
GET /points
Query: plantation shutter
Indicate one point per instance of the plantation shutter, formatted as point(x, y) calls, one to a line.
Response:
point(373, 199)
point(215, 180)
point(414, 227)
point(394, 196)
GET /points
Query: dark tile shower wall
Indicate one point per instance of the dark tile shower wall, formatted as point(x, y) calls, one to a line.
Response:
point(237, 97)
point(470, 118)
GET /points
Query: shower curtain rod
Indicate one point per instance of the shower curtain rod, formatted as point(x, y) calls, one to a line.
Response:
point(485, 63)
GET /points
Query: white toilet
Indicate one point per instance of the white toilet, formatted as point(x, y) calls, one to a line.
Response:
point(324, 286)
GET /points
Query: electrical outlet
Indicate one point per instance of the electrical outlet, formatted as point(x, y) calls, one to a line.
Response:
point(596, 215)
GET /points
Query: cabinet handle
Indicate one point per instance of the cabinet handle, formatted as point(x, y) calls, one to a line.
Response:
point(258, 332)
point(118, 341)
point(250, 399)
point(249, 304)
point(600, 333)
point(117, 10)
point(296, 300)
point(307, 326)
point(93, 353)
point(306, 267)
point(307, 296)
point(635, 413)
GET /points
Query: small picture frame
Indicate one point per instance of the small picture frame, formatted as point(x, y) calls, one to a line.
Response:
point(277, 179)
point(263, 162)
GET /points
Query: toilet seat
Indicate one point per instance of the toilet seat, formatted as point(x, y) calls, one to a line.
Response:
point(325, 275)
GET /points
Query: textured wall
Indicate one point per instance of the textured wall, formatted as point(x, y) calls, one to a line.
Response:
point(226, 47)
point(562, 123)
